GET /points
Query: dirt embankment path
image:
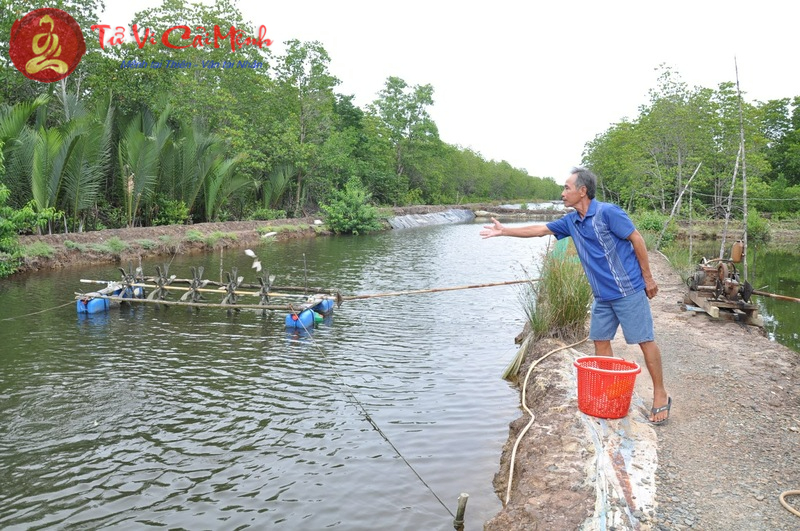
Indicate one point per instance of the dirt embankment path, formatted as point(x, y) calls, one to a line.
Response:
point(730, 448)
point(130, 244)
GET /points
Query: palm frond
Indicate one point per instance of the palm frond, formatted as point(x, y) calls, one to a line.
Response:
point(221, 183)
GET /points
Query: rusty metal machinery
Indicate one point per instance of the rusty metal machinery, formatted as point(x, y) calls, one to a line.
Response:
point(715, 287)
point(720, 278)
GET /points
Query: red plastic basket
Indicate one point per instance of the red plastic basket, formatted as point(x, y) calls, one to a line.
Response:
point(605, 385)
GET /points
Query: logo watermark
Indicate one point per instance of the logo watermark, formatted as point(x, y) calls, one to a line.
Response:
point(46, 45)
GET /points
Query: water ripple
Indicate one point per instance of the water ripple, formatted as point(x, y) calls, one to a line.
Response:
point(143, 417)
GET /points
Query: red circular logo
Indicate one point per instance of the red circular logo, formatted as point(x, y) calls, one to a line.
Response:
point(46, 44)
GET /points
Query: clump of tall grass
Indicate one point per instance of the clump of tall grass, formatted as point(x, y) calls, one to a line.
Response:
point(266, 229)
point(680, 259)
point(212, 239)
point(556, 305)
point(69, 244)
point(113, 246)
point(38, 249)
point(209, 240)
point(147, 244)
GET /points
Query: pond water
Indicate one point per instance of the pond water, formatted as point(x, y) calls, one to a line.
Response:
point(145, 417)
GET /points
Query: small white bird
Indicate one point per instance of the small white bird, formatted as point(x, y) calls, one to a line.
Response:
point(250, 253)
point(257, 265)
point(267, 235)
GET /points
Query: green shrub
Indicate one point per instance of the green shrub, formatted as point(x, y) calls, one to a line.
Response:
point(413, 197)
point(171, 212)
point(8, 264)
point(9, 244)
point(650, 223)
point(758, 229)
point(649, 220)
point(349, 211)
point(282, 228)
point(108, 217)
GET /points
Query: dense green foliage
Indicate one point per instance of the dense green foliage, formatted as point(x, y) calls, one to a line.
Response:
point(645, 163)
point(349, 211)
point(114, 145)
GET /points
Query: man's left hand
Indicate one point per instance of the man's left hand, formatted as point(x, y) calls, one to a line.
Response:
point(651, 288)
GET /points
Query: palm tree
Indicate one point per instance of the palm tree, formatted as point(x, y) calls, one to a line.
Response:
point(139, 152)
point(195, 167)
point(13, 125)
point(220, 183)
point(89, 161)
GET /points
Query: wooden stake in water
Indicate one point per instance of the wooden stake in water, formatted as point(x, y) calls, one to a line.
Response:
point(458, 523)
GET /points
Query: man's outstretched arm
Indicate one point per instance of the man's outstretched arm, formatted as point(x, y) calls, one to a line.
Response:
point(528, 231)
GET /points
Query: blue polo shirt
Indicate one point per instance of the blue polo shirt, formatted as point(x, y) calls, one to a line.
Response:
point(607, 256)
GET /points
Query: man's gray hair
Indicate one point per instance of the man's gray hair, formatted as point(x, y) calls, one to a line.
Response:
point(585, 178)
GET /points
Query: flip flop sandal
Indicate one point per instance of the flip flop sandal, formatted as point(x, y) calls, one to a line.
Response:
point(656, 410)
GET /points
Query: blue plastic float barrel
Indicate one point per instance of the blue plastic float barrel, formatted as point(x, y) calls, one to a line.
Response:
point(304, 319)
point(92, 305)
point(130, 293)
point(324, 307)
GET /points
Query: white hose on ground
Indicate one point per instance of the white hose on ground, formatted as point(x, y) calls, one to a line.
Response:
point(529, 412)
point(786, 504)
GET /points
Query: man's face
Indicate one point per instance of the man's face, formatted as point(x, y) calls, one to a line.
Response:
point(571, 196)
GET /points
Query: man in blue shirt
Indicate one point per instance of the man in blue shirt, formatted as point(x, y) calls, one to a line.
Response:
point(614, 256)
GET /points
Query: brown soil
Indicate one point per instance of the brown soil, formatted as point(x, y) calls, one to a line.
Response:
point(728, 451)
point(81, 247)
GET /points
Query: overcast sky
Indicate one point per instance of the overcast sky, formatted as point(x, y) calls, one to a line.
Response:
point(531, 82)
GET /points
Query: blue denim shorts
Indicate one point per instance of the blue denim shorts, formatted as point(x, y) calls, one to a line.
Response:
point(632, 312)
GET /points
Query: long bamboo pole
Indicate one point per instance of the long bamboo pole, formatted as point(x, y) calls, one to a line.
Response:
point(744, 172)
point(676, 205)
point(775, 296)
point(434, 290)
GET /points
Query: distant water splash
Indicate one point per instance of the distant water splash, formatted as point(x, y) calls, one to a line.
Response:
point(547, 205)
point(436, 218)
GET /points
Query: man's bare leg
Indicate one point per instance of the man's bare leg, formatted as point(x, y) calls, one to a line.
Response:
point(603, 348)
point(652, 358)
